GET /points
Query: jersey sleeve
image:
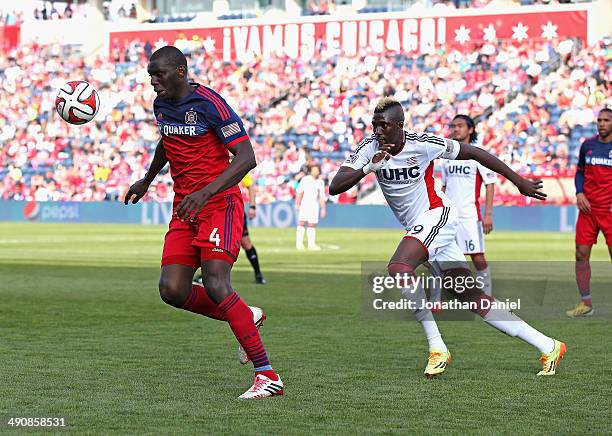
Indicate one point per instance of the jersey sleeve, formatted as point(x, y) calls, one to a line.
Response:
point(362, 154)
point(444, 173)
point(488, 177)
point(226, 123)
point(439, 146)
point(579, 178)
point(300, 186)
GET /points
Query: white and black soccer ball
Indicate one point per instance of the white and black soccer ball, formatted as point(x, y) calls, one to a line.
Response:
point(77, 102)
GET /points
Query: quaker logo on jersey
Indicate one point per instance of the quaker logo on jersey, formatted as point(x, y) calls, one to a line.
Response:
point(610, 154)
point(31, 210)
point(459, 170)
point(191, 117)
point(596, 160)
point(176, 129)
point(399, 175)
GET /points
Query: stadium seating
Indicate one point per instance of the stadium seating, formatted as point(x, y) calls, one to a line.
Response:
point(534, 112)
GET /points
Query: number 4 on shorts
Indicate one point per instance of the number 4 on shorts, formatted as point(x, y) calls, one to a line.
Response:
point(214, 236)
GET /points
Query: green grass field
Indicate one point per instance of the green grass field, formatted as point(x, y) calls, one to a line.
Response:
point(83, 334)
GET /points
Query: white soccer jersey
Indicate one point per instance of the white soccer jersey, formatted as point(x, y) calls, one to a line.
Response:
point(313, 191)
point(407, 180)
point(463, 179)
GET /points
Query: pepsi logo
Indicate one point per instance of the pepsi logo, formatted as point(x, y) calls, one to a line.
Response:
point(31, 210)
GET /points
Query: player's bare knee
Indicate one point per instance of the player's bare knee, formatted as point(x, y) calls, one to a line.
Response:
point(171, 293)
point(246, 243)
point(395, 268)
point(216, 283)
point(583, 253)
point(480, 262)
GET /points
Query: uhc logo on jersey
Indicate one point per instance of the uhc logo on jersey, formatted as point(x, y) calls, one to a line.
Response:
point(399, 175)
point(459, 170)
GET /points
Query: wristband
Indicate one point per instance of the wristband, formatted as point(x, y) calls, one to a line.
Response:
point(371, 166)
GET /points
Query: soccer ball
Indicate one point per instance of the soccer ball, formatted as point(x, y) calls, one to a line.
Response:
point(77, 102)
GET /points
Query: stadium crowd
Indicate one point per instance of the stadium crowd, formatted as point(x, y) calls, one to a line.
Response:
point(537, 102)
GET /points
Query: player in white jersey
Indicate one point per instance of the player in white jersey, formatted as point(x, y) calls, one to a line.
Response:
point(309, 201)
point(403, 164)
point(462, 180)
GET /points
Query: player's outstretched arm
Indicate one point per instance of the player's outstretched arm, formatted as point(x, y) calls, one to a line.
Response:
point(243, 162)
point(347, 177)
point(529, 188)
point(140, 188)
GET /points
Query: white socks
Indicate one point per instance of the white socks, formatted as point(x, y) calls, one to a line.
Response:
point(424, 316)
point(512, 325)
point(310, 235)
point(299, 237)
point(485, 278)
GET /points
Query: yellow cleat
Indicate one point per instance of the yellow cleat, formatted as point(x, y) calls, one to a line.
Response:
point(437, 363)
point(580, 310)
point(551, 361)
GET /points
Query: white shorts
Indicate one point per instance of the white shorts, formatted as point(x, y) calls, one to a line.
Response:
point(309, 213)
point(435, 229)
point(470, 236)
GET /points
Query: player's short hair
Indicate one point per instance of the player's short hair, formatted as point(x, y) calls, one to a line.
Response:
point(386, 103)
point(470, 123)
point(170, 55)
point(606, 109)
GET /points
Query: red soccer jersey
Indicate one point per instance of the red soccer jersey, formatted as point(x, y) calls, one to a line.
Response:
point(595, 163)
point(197, 131)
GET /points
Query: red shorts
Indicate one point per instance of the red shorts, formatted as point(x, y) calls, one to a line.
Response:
point(589, 225)
point(215, 235)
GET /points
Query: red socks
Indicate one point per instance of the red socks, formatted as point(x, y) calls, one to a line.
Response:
point(240, 319)
point(583, 279)
point(199, 302)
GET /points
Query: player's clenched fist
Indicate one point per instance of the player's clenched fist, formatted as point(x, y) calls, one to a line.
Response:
point(191, 205)
point(379, 159)
point(136, 191)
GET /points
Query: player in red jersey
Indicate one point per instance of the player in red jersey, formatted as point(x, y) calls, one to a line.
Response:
point(594, 199)
point(198, 130)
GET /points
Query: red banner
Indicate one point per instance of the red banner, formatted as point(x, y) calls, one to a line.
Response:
point(350, 37)
point(9, 37)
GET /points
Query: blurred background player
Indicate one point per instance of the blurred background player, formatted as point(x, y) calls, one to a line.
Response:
point(245, 242)
point(198, 131)
point(403, 163)
point(461, 180)
point(594, 199)
point(309, 201)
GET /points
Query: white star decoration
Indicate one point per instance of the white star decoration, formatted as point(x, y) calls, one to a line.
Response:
point(462, 34)
point(209, 44)
point(489, 33)
point(160, 43)
point(549, 31)
point(519, 32)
